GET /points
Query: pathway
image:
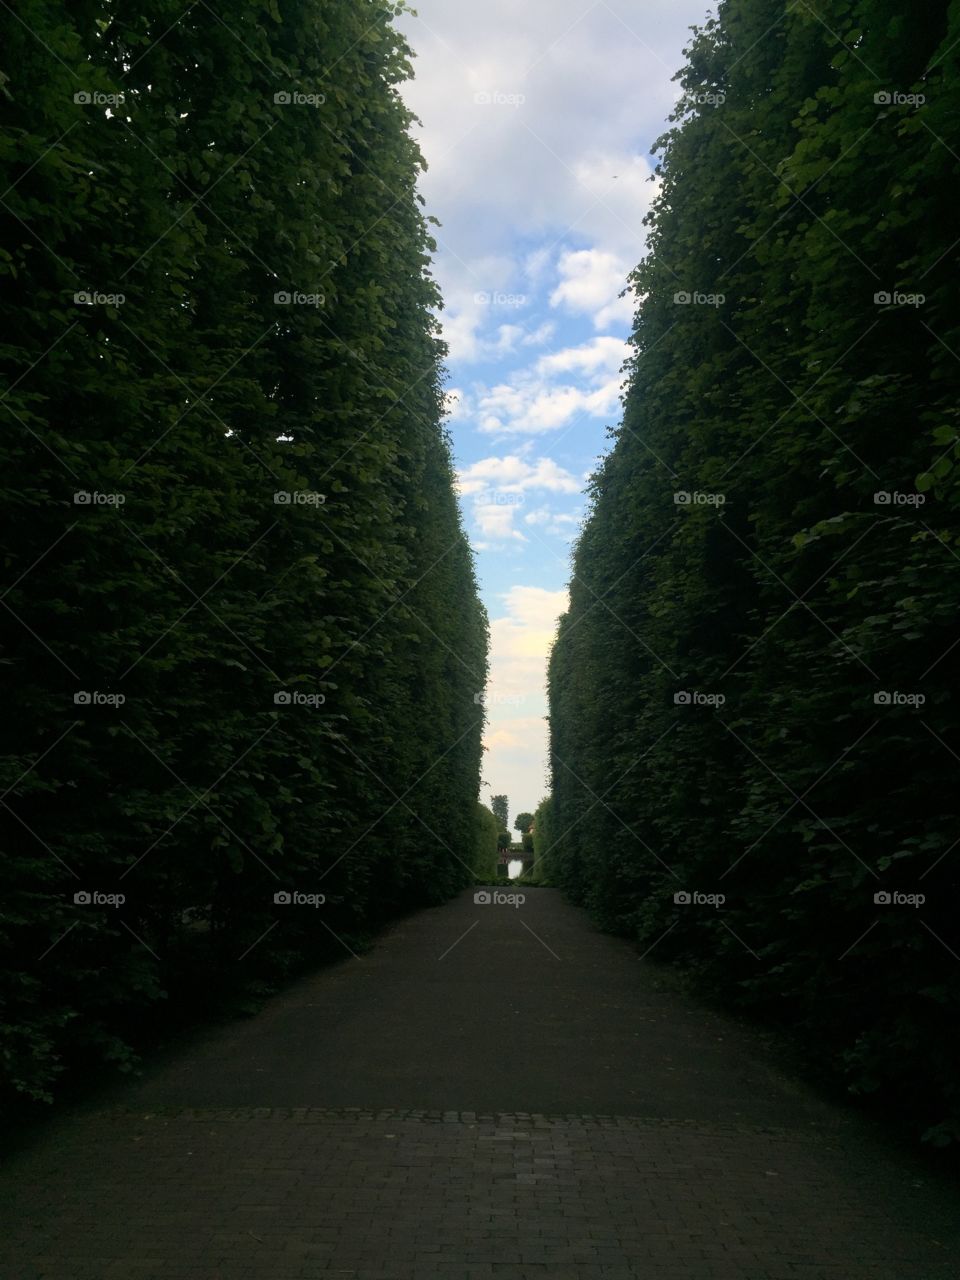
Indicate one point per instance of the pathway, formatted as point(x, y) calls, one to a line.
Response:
point(491, 1092)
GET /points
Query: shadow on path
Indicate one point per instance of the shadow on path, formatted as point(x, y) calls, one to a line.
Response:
point(491, 1091)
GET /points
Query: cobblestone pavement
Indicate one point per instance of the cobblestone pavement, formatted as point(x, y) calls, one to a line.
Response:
point(264, 1149)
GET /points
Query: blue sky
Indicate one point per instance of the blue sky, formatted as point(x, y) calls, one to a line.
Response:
point(537, 124)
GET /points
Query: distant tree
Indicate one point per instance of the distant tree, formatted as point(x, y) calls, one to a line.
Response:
point(500, 810)
point(503, 840)
point(523, 821)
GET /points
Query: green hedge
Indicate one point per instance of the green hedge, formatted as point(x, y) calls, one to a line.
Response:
point(544, 838)
point(777, 526)
point(486, 856)
point(270, 570)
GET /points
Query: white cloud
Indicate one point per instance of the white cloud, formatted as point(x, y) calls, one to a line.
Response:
point(516, 736)
point(584, 73)
point(600, 355)
point(590, 282)
point(530, 403)
point(562, 524)
point(496, 521)
point(512, 474)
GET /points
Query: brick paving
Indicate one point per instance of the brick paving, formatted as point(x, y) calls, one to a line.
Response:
point(250, 1153)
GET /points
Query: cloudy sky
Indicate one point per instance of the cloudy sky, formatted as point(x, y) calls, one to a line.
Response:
point(537, 124)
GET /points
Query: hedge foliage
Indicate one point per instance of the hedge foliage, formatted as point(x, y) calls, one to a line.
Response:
point(269, 567)
point(776, 526)
point(544, 839)
point(487, 855)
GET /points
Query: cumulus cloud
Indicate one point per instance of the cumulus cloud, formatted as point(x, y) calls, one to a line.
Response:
point(590, 282)
point(513, 474)
point(602, 355)
point(562, 524)
point(516, 734)
point(497, 486)
point(531, 116)
point(531, 402)
point(495, 521)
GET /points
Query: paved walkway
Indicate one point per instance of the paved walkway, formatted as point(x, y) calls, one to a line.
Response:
point(491, 1092)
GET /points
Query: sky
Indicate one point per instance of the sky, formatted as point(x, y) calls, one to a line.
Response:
point(537, 120)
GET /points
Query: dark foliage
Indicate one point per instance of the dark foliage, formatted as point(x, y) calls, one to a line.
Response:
point(269, 568)
point(754, 691)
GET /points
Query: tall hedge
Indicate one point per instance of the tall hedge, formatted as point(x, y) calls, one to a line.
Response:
point(544, 839)
point(753, 692)
point(487, 854)
point(241, 631)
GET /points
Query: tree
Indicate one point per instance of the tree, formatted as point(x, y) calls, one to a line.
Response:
point(523, 822)
point(504, 840)
point(499, 806)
